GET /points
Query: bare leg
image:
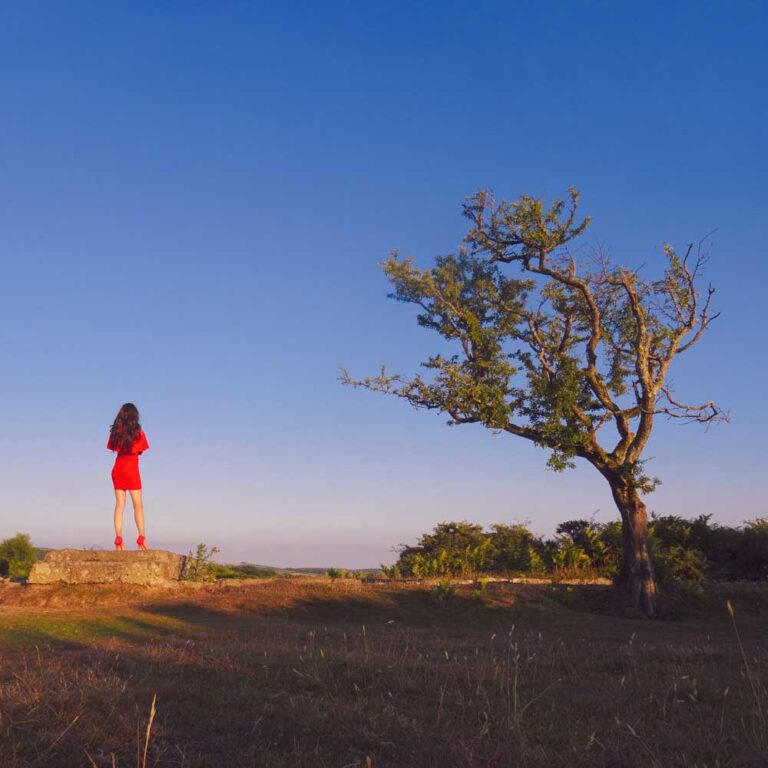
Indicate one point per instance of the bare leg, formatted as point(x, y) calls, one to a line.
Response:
point(138, 514)
point(119, 507)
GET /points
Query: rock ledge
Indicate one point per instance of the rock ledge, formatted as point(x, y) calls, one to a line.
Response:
point(155, 568)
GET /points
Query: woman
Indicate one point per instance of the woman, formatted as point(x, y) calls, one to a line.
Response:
point(127, 439)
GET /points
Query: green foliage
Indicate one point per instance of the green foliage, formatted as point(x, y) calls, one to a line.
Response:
point(693, 549)
point(452, 549)
point(568, 556)
point(683, 550)
point(590, 545)
point(200, 566)
point(391, 571)
point(538, 566)
point(251, 571)
point(226, 572)
point(512, 548)
point(678, 563)
point(339, 573)
point(549, 353)
point(343, 573)
point(17, 555)
point(242, 571)
point(753, 552)
point(443, 592)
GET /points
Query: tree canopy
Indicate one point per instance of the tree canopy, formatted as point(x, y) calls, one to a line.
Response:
point(554, 357)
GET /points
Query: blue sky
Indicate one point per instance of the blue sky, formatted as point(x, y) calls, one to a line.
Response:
point(195, 199)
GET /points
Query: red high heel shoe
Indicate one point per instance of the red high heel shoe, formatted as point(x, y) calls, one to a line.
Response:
point(119, 543)
point(141, 543)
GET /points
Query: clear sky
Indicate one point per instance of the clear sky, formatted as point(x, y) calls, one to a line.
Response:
point(194, 202)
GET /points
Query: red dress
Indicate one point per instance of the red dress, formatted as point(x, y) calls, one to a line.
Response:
point(125, 473)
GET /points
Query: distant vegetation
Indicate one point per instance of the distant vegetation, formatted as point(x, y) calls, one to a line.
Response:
point(244, 571)
point(200, 566)
point(344, 573)
point(683, 550)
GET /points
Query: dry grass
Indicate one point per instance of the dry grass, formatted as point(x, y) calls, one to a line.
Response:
point(310, 673)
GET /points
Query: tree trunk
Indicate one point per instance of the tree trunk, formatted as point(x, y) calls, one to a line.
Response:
point(636, 575)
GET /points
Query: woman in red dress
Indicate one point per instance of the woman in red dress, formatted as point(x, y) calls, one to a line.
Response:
point(128, 441)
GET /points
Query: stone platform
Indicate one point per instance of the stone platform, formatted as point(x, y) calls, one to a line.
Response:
point(155, 568)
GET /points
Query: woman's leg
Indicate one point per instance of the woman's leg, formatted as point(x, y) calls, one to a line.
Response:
point(138, 514)
point(119, 507)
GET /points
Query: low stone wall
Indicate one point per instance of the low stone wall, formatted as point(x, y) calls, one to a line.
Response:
point(155, 568)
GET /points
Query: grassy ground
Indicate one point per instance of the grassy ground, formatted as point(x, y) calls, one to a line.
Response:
point(314, 673)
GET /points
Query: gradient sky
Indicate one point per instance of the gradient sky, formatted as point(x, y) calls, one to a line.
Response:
point(194, 202)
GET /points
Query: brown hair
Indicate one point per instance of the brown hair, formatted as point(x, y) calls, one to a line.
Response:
point(125, 428)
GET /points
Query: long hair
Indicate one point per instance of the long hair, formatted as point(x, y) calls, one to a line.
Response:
point(125, 428)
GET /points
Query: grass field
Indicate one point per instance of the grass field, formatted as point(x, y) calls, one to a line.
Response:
point(308, 672)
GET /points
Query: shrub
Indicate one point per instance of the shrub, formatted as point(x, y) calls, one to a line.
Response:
point(569, 556)
point(722, 546)
point(250, 571)
point(754, 549)
point(443, 592)
point(585, 544)
point(537, 564)
point(200, 566)
point(511, 548)
point(452, 549)
point(17, 555)
point(678, 563)
point(338, 573)
point(683, 550)
point(242, 571)
point(226, 572)
point(673, 541)
point(391, 571)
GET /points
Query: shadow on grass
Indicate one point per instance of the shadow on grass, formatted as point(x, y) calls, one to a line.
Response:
point(573, 612)
point(32, 634)
point(249, 614)
point(414, 608)
point(65, 630)
point(329, 675)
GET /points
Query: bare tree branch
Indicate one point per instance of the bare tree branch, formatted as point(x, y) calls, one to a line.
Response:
point(701, 414)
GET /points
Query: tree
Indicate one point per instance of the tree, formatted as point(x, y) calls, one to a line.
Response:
point(560, 354)
point(17, 556)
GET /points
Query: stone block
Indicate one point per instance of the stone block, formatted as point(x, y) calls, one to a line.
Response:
point(155, 568)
